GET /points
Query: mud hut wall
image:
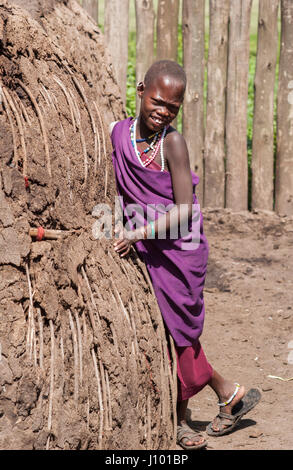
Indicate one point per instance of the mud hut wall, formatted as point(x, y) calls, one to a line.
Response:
point(84, 360)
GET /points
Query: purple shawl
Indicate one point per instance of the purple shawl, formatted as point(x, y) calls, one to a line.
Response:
point(177, 275)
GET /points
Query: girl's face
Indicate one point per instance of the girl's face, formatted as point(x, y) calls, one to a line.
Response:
point(160, 102)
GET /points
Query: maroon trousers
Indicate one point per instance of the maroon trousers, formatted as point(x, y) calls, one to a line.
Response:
point(193, 370)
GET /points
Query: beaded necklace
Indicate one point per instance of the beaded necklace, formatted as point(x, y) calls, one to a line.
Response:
point(159, 145)
point(152, 144)
point(147, 138)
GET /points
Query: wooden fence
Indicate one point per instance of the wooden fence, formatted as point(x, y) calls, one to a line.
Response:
point(215, 127)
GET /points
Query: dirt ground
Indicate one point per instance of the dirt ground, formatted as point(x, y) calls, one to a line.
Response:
point(249, 330)
point(74, 319)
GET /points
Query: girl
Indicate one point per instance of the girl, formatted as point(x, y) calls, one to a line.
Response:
point(152, 166)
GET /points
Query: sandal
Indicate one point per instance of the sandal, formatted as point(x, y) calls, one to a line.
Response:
point(185, 433)
point(246, 404)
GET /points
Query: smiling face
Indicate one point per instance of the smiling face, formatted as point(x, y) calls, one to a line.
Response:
point(160, 102)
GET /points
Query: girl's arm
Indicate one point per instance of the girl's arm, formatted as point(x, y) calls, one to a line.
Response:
point(176, 154)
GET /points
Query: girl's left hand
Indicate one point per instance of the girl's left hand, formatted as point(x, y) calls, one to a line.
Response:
point(126, 239)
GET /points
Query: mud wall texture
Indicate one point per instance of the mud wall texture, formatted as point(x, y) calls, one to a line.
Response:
point(84, 362)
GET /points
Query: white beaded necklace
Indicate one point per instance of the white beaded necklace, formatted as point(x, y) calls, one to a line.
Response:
point(161, 144)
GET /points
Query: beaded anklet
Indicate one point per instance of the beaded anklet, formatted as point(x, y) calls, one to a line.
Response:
point(225, 403)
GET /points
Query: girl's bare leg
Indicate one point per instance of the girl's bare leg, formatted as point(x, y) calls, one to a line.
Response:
point(224, 389)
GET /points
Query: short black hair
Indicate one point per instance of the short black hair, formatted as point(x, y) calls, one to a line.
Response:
point(165, 67)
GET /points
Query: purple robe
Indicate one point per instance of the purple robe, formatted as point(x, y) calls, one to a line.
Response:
point(177, 275)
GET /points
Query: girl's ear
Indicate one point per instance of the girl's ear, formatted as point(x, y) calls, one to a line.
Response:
point(140, 88)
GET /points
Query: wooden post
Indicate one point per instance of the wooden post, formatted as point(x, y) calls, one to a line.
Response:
point(214, 163)
point(167, 29)
point(167, 32)
point(145, 17)
point(92, 7)
point(263, 118)
point(193, 106)
point(41, 233)
point(116, 39)
point(236, 118)
point(284, 164)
